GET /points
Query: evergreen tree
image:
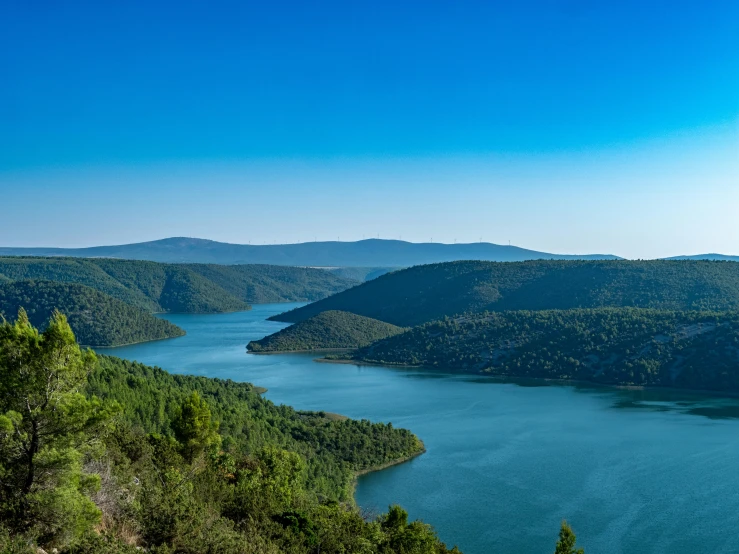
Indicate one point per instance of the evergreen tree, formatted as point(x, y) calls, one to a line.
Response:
point(194, 428)
point(47, 430)
point(566, 542)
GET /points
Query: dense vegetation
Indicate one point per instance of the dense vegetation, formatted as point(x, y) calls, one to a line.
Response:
point(179, 288)
point(327, 330)
point(426, 293)
point(622, 346)
point(261, 284)
point(177, 464)
point(334, 448)
point(96, 318)
point(151, 286)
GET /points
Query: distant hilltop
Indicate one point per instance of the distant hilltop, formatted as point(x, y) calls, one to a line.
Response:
point(714, 257)
point(371, 253)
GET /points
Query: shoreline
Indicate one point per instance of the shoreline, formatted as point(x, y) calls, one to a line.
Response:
point(512, 379)
point(390, 464)
point(131, 343)
point(316, 351)
point(361, 472)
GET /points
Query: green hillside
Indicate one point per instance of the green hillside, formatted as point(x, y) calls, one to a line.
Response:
point(96, 318)
point(334, 449)
point(622, 346)
point(426, 293)
point(193, 288)
point(327, 330)
point(148, 461)
point(262, 284)
point(148, 285)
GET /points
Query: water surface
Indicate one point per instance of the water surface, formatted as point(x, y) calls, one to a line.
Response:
point(633, 472)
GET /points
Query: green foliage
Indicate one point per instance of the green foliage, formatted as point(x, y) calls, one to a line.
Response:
point(47, 429)
point(334, 449)
point(180, 288)
point(194, 429)
point(93, 543)
point(261, 284)
point(273, 488)
point(401, 536)
point(623, 346)
point(14, 543)
point(327, 330)
point(426, 293)
point(566, 542)
point(96, 318)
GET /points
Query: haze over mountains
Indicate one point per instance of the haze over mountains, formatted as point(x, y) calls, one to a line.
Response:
point(364, 253)
point(714, 257)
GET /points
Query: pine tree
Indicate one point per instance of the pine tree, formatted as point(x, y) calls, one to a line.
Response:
point(47, 430)
point(566, 542)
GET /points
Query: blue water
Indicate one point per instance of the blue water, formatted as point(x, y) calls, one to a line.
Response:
point(633, 472)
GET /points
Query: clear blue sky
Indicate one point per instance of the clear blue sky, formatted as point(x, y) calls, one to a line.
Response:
point(568, 126)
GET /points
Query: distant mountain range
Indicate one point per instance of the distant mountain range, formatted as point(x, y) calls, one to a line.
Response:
point(715, 257)
point(371, 253)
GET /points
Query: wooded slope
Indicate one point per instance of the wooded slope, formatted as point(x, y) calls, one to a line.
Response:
point(426, 293)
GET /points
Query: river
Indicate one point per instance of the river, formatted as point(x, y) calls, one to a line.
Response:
point(631, 471)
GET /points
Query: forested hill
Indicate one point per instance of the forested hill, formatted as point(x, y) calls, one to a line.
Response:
point(617, 346)
point(425, 293)
point(327, 330)
point(96, 318)
point(364, 253)
point(192, 288)
point(334, 448)
point(125, 458)
point(261, 284)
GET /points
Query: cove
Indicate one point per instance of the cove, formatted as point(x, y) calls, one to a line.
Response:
point(632, 471)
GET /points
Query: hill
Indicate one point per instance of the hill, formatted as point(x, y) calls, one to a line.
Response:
point(262, 284)
point(425, 293)
point(114, 457)
point(326, 331)
point(364, 253)
point(714, 257)
point(616, 346)
point(191, 288)
point(96, 318)
point(334, 448)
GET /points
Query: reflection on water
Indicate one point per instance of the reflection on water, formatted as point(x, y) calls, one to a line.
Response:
point(651, 399)
point(647, 471)
point(712, 407)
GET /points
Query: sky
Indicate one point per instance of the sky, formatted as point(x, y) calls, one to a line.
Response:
point(562, 126)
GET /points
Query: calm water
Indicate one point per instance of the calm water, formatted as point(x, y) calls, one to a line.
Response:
point(632, 472)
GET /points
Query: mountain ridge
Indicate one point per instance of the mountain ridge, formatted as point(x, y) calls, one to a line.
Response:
point(364, 253)
point(711, 256)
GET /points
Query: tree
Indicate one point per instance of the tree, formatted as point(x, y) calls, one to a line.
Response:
point(194, 429)
point(566, 542)
point(47, 429)
point(415, 537)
